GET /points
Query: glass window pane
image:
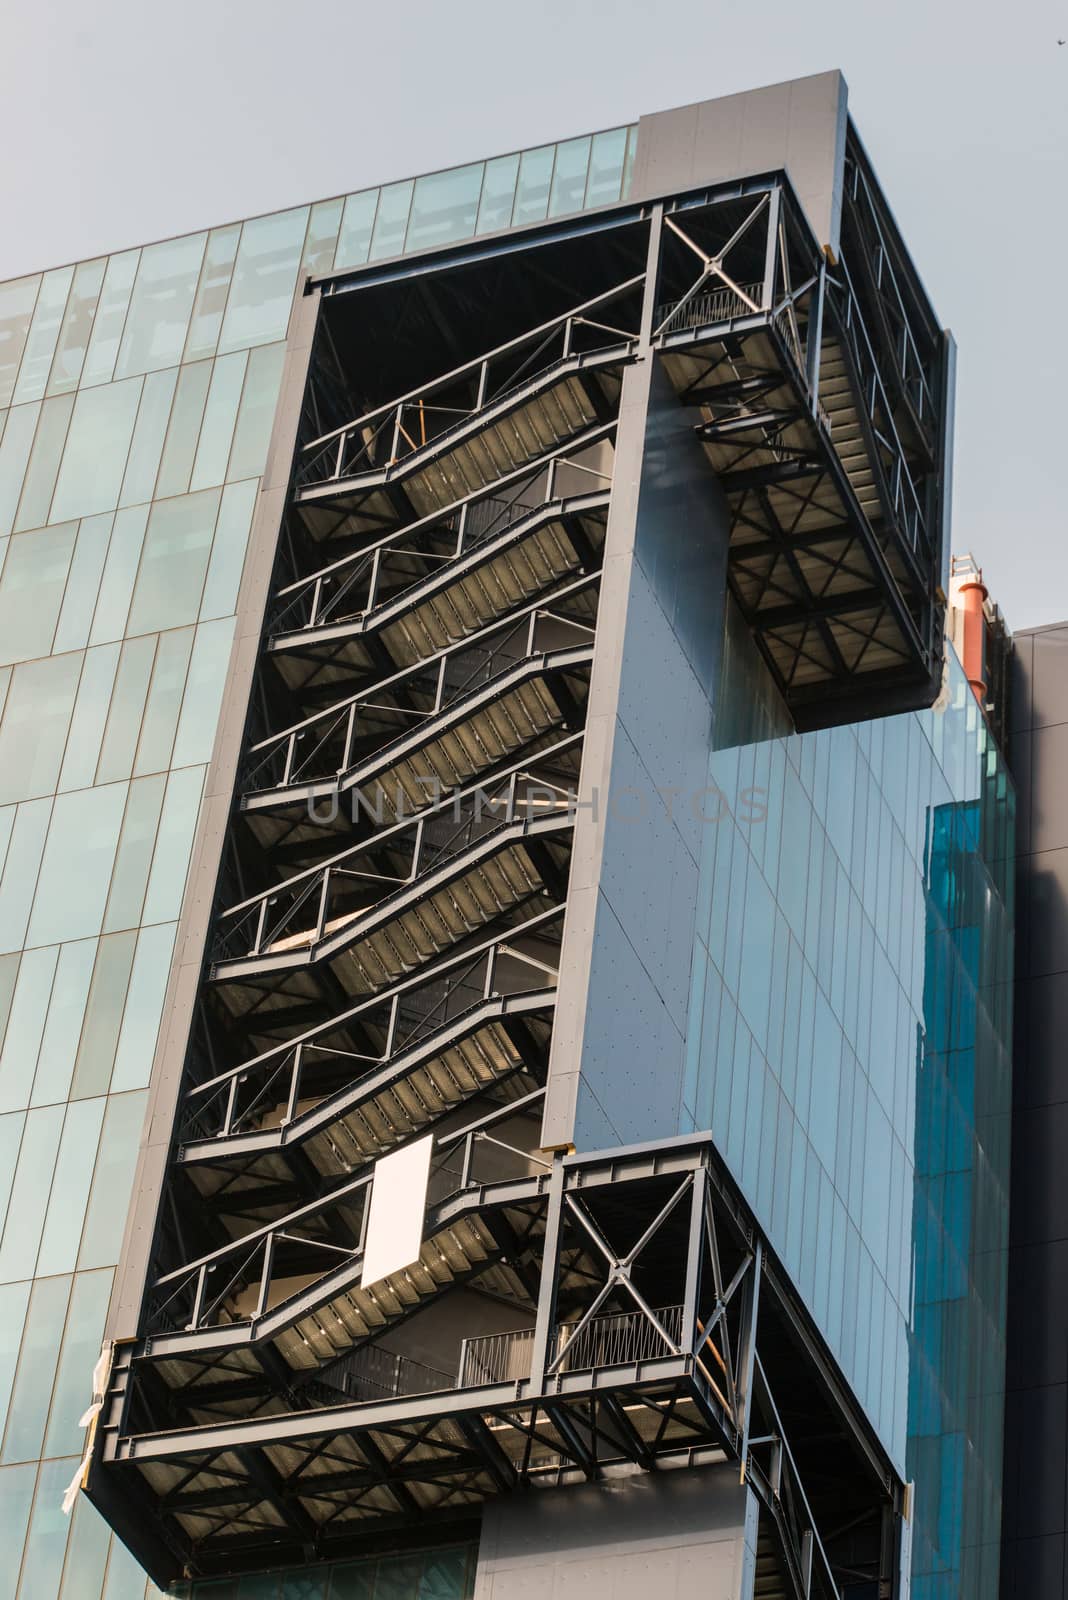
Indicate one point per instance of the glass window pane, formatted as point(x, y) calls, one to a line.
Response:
point(77, 326)
point(94, 459)
point(160, 305)
point(256, 417)
point(144, 1007)
point(164, 701)
point(183, 433)
point(265, 276)
point(90, 1536)
point(31, 593)
point(15, 450)
point(498, 194)
point(110, 318)
point(16, 1496)
point(103, 1014)
point(66, 1010)
point(357, 225)
point(14, 1298)
point(126, 709)
point(120, 571)
point(134, 858)
point(220, 415)
point(174, 561)
point(9, 964)
point(20, 870)
point(173, 844)
point(212, 291)
point(321, 242)
point(90, 717)
point(29, 1007)
point(70, 1187)
point(606, 167)
point(203, 693)
point(115, 1164)
point(444, 207)
point(76, 869)
point(46, 1542)
point(34, 730)
point(569, 177)
point(228, 549)
point(391, 222)
point(11, 1127)
point(83, 583)
point(44, 331)
point(29, 1193)
point(126, 1577)
point(149, 434)
point(398, 1578)
point(17, 300)
point(532, 190)
point(45, 457)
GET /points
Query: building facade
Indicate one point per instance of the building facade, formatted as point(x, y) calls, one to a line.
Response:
point(1036, 1451)
point(476, 690)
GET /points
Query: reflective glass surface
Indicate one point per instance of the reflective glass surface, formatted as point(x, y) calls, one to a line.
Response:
point(849, 1046)
point(137, 395)
point(444, 1574)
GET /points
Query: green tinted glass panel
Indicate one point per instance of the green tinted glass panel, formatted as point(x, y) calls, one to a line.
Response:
point(160, 305)
point(444, 207)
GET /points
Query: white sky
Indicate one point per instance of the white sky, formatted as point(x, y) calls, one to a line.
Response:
point(127, 122)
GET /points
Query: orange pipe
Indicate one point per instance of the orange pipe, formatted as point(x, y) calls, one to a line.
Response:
point(972, 595)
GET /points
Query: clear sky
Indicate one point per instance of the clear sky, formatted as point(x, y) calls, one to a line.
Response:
point(125, 122)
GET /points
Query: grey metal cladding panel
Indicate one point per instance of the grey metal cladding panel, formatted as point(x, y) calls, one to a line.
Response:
point(1040, 1061)
point(799, 126)
point(1049, 685)
point(1046, 784)
point(1023, 746)
point(1039, 1193)
point(1038, 1280)
point(1032, 1567)
point(666, 1533)
point(1043, 914)
point(1035, 1490)
point(632, 1055)
point(682, 533)
point(1023, 666)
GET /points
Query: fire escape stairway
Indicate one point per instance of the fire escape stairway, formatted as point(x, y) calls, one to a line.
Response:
point(498, 438)
point(370, 949)
point(473, 673)
point(418, 1085)
point(531, 554)
point(838, 401)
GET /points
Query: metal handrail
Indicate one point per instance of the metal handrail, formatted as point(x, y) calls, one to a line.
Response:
point(221, 1090)
point(496, 801)
point(620, 1339)
point(333, 718)
point(715, 305)
point(478, 364)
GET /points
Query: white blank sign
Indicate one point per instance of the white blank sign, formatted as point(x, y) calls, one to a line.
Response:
point(398, 1205)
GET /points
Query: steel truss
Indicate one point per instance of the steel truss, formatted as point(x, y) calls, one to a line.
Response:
point(662, 1333)
point(824, 416)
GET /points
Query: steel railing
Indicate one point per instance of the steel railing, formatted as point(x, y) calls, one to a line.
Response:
point(400, 428)
point(623, 1339)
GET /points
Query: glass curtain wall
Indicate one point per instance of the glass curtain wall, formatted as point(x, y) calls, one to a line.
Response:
point(137, 394)
point(850, 1049)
